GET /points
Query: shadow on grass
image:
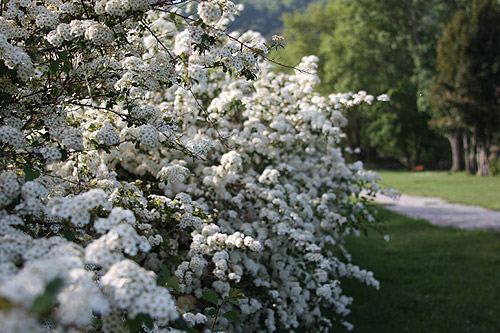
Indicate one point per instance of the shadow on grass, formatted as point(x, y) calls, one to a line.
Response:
point(431, 279)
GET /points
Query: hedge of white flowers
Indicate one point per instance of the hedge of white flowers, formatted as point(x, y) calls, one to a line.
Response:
point(157, 176)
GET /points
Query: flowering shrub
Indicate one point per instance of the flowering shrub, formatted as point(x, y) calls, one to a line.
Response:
point(150, 181)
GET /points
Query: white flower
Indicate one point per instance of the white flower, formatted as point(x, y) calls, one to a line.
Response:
point(383, 98)
point(148, 136)
point(209, 12)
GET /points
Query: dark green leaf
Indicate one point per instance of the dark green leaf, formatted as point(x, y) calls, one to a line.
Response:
point(236, 294)
point(163, 276)
point(62, 54)
point(232, 316)
point(29, 173)
point(69, 234)
point(135, 324)
point(55, 285)
point(173, 283)
point(67, 66)
point(234, 301)
point(44, 303)
point(54, 66)
point(64, 154)
point(210, 296)
point(148, 321)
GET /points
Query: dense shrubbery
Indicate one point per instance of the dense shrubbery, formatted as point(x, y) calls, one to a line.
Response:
point(143, 186)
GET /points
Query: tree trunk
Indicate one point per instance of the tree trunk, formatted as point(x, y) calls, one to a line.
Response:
point(473, 152)
point(483, 167)
point(456, 152)
point(470, 153)
point(417, 155)
point(408, 161)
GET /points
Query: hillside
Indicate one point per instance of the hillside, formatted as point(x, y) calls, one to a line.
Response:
point(266, 16)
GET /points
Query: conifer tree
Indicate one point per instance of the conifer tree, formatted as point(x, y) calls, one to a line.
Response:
point(467, 86)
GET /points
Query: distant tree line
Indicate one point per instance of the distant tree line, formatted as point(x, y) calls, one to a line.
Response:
point(437, 59)
point(266, 16)
point(466, 88)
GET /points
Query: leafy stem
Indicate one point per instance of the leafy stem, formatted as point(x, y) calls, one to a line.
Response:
point(231, 315)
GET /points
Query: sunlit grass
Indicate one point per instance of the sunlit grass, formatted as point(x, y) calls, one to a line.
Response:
point(455, 187)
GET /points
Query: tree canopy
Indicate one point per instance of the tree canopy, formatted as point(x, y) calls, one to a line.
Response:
point(466, 90)
point(385, 46)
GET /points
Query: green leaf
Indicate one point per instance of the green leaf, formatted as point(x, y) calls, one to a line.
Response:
point(234, 301)
point(29, 173)
point(69, 234)
point(136, 323)
point(55, 285)
point(54, 66)
point(64, 154)
point(173, 283)
point(44, 303)
point(148, 321)
point(164, 276)
point(210, 311)
point(235, 294)
point(62, 55)
point(232, 316)
point(210, 296)
point(67, 66)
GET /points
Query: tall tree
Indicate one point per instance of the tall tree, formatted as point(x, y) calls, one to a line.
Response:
point(467, 85)
point(446, 115)
point(381, 46)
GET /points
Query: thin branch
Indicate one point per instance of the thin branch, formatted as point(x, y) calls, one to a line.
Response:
point(189, 19)
point(157, 39)
point(207, 117)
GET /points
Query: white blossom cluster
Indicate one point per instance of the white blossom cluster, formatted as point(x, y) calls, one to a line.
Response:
point(348, 100)
point(12, 136)
point(45, 260)
point(130, 287)
point(134, 177)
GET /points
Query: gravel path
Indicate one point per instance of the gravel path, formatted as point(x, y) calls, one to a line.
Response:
point(441, 213)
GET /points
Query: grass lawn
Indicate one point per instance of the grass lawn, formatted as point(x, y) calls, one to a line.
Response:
point(432, 279)
point(456, 187)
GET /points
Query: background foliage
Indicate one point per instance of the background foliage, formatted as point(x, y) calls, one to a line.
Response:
point(384, 46)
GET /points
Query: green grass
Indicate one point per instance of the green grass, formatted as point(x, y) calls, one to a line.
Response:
point(431, 279)
point(456, 187)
